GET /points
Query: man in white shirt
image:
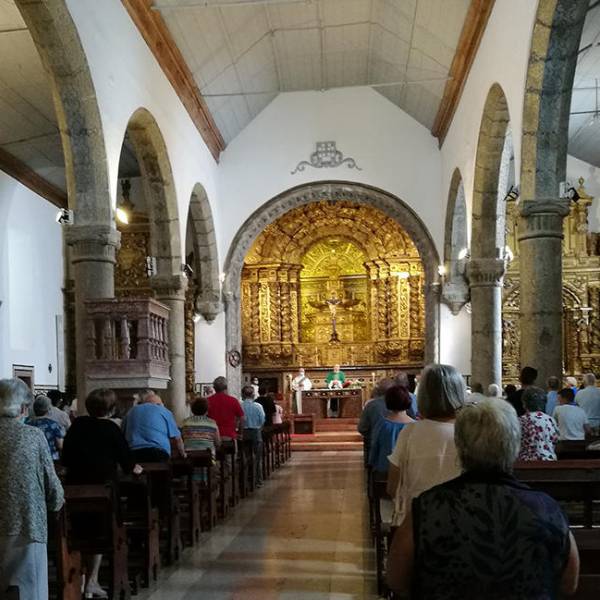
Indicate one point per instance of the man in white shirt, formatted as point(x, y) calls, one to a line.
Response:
point(300, 383)
point(589, 399)
point(571, 419)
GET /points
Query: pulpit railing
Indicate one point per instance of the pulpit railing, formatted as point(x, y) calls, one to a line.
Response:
point(127, 342)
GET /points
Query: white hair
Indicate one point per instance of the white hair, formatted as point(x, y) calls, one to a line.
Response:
point(487, 436)
point(571, 381)
point(441, 391)
point(14, 395)
point(589, 379)
point(493, 390)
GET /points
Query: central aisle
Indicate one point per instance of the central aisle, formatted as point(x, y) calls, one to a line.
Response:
point(304, 535)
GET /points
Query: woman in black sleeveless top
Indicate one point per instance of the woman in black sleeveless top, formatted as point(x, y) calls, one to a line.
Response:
point(484, 535)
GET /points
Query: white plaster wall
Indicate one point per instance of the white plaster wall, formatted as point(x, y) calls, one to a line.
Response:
point(395, 153)
point(455, 339)
point(502, 58)
point(578, 168)
point(31, 276)
point(210, 349)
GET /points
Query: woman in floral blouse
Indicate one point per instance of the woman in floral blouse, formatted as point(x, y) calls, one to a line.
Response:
point(539, 432)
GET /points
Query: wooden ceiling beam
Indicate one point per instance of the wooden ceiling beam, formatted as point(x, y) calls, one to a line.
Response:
point(466, 50)
point(155, 32)
point(29, 178)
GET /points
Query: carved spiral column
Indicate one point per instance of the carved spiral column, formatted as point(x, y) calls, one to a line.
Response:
point(190, 338)
point(485, 277)
point(294, 279)
point(417, 324)
point(540, 239)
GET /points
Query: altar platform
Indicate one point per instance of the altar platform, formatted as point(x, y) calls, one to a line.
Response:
point(334, 435)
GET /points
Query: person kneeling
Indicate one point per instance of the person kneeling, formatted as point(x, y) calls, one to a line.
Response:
point(484, 534)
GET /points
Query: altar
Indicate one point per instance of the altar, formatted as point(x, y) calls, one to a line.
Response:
point(350, 402)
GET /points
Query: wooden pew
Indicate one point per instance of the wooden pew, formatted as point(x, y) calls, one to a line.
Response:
point(588, 544)
point(202, 460)
point(246, 468)
point(64, 565)
point(99, 504)
point(188, 495)
point(142, 523)
point(229, 449)
point(576, 450)
point(163, 497)
point(225, 482)
point(267, 456)
point(382, 532)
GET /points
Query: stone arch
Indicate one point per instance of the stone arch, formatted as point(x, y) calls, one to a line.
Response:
point(548, 89)
point(93, 238)
point(492, 161)
point(331, 191)
point(206, 257)
point(456, 290)
point(159, 188)
point(487, 265)
point(57, 40)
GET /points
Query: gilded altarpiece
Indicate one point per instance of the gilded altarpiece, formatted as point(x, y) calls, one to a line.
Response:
point(333, 283)
point(581, 293)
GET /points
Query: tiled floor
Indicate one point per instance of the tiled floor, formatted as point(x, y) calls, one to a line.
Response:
point(302, 536)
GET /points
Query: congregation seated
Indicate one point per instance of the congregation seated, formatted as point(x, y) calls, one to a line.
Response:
point(375, 409)
point(225, 410)
point(52, 431)
point(268, 404)
point(553, 386)
point(29, 488)
point(494, 391)
point(254, 420)
point(94, 449)
point(571, 419)
point(385, 433)
point(56, 412)
point(200, 432)
point(514, 542)
point(527, 378)
point(150, 430)
point(539, 432)
point(425, 454)
point(589, 400)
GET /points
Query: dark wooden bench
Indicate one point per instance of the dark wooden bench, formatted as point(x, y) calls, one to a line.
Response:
point(64, 564)
point(142, 524)
point(99, 504)
point(247, 472)
point(188, 494)
point(162, 494)
point(208, 489)
point(381, 529)
point(229, 449)
point(225, 482)
point(304, 424)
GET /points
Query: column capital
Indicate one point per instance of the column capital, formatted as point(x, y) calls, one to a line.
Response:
point(209, 305)
point(92, 243)
point(543, 218)
point(455, 294)
point(486, 272)
point(169, 287)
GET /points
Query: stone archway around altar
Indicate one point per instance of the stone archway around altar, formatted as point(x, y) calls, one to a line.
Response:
point(331, 194)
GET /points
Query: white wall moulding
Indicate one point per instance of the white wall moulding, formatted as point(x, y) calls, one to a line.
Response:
point(326, 156)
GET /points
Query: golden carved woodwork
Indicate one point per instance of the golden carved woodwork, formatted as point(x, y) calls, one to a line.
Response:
point(581, 293)
point(333, 260)
point(190, 336)
point(131, 278)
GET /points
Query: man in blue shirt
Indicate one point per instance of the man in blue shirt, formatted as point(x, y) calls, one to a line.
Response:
point(254, 420)
point(150, 428)
point(552, 395)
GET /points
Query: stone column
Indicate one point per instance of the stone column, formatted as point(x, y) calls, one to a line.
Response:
point(540, 242)
point(485, 277)
point(93, 256)
point(234, 341)
point(170, 290)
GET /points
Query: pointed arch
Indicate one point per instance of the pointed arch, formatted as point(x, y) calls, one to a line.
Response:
point(206, 256)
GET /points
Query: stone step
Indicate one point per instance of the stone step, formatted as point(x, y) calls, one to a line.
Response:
point(336, 425)
point(329, 436)
point(325, 446)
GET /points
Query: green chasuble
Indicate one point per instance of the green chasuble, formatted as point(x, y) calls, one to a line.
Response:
point(331, 376)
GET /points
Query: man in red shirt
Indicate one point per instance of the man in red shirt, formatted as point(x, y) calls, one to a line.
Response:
point(225, 410)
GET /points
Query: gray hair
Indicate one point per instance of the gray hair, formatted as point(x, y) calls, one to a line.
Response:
point(441, 391)
point(382, 386)
point(493, 390)
point(487, 436)
point(589, 379)
point(534, 399)
point(247, 392)
point(571, 381)
point(41, 405)
point(14, 395)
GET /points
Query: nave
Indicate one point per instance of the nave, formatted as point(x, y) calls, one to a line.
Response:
point(303, 535)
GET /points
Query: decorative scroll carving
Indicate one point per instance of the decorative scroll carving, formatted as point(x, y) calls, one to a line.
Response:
point(326, 156)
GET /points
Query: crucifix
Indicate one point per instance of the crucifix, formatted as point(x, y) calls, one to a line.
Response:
point(332, 304)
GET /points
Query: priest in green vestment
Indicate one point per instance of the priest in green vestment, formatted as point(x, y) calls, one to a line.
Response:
point(335, 381)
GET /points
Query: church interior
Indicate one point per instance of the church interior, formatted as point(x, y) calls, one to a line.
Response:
point(314, 207)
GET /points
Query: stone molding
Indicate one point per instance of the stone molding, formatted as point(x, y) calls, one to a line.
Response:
point(455, 294)
point(169, 287)
point(486, 272)
point(543, 219)
point(92, 243)
point(331, 192)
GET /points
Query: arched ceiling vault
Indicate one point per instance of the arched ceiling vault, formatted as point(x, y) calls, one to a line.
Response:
point(292, 235)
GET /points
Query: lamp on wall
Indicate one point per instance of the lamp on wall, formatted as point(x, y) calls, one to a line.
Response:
point(187, 270)
point(463, 254)
point(125, 208)
point(64, 217)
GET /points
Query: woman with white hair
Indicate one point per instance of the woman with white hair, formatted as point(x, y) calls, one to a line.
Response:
point(29, 488)
point(484, 534)
point(425, 454)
